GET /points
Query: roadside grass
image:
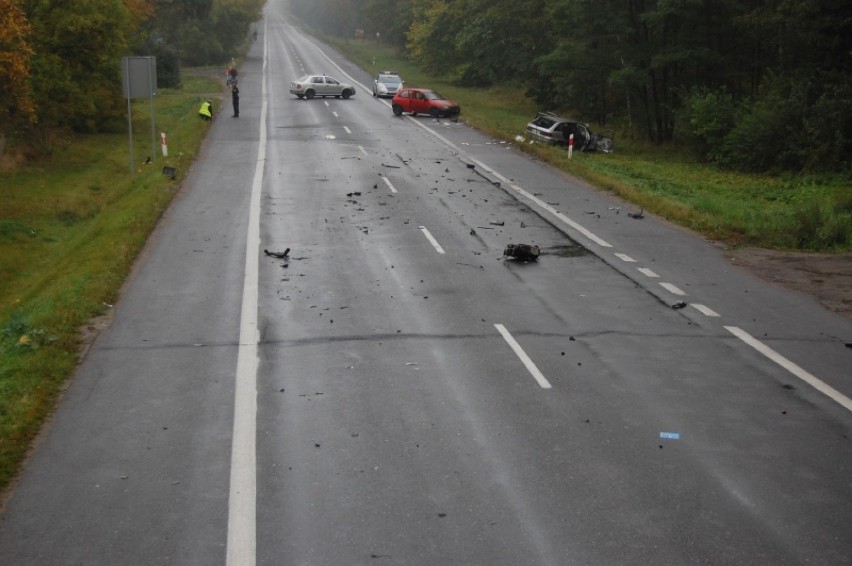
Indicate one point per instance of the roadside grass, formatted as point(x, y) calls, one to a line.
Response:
point(71, 226)
point(792, 212)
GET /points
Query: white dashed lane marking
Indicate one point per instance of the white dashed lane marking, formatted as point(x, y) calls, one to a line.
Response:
point(431, 238)
point(390, 185)
point(525, 359)
point(673, 289)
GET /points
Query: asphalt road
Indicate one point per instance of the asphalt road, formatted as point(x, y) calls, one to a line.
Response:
point(396, 392)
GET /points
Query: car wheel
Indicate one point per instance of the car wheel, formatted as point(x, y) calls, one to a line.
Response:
point(347, 93)
point(397, 109)
point(300, 96)
point(309, 94)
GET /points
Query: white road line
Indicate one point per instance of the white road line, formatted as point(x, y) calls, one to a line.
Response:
point(625, 257)
point(672, 289)
point(364, 151)
point(808, 378)
point(326, 102)
point(389, 184)
point(431, 239)
point(647, 272)
point(525, 359)
point(336, 115)
point(706, 311)
point(242, 497)
point(584, 231)
point(348, 131)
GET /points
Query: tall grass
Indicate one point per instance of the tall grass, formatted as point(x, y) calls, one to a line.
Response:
point(791, 213)
point(70, 228)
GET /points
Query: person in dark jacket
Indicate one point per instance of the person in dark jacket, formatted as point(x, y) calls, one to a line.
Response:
point(235, 98)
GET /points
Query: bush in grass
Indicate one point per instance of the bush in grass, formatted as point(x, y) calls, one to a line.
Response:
point(711, 116)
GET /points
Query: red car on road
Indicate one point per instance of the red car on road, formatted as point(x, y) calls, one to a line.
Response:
point(424, 101)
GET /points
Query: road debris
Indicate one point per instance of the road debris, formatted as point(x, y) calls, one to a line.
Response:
point(679, 305)
point(522, 252)
point(637, 215)
point(279, 255)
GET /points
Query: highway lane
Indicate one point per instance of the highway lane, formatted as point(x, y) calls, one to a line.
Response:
point(395, 423)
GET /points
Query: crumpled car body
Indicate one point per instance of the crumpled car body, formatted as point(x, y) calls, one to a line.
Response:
point(549, 128)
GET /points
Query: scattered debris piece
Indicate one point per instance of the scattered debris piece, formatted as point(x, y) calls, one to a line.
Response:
point(279, 255)
point(498, 223)
point(670, 435)
point(354, 194)
point(637, 215)
point(523, 252)
point(472, 232)
point(679, 305)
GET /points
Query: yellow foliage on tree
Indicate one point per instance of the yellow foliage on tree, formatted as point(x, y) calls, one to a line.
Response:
point(16, 105)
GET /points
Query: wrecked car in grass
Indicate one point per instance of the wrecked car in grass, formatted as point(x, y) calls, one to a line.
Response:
point(549, 128)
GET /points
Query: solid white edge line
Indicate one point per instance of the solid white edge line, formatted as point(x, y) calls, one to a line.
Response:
point(584, 231)
point(791, 367)
point(389, 184)
point(241, 547)
point(525, 359)
point(431, 239)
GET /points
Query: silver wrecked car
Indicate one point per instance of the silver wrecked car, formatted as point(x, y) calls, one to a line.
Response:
point(311, 86)
point(547, 127)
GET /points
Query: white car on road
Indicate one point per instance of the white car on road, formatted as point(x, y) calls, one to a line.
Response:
point(310, 86)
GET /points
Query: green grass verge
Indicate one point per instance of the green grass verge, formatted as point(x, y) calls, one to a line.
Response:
point(790, 213)
point(70, 229)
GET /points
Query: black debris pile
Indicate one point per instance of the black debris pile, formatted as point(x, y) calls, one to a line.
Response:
point(280, 255)
point(522, 252)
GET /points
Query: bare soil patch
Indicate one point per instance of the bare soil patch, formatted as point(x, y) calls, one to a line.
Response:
point(828, 277)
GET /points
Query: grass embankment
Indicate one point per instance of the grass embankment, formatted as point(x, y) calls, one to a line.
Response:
point(70, 229)
point(790, 212)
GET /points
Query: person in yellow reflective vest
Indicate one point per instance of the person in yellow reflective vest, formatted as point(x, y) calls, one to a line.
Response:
point(206, 110)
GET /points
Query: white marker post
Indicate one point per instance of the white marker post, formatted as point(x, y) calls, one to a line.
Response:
point(570, 146)
point(164, 144)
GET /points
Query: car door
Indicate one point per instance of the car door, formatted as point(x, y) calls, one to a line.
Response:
point(419, 103)
point(318, 84)
point(332, 86)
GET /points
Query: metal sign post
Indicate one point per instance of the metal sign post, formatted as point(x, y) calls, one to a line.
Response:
point(139, 79)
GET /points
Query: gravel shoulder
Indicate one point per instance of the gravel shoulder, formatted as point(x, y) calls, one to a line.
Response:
point(828, 277)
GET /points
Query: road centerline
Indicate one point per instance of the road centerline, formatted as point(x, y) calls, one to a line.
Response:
point(525, 359)
point(432, 239)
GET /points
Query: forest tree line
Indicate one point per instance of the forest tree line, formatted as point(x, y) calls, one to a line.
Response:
point(60, 60)
point(757, 85)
